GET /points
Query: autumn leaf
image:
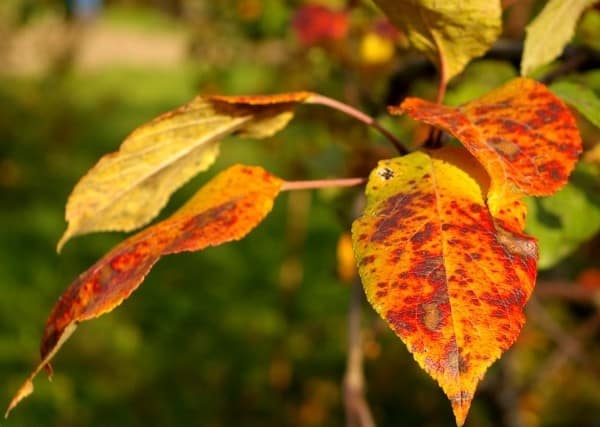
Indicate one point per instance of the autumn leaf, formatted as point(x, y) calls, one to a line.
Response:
point(128, 188)
point(550, 31)
point(449, 33)
point(225, 209)
point(523, 135)
point(436, 265)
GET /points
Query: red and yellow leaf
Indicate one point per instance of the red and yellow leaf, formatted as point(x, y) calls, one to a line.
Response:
point(225, 209)
point(128, 188)
point(449, 279)
point(522, 134)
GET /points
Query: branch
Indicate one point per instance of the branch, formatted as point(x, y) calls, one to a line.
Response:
point(358, 413)
point(571, 291)
point(322, 183)
point(359, 115)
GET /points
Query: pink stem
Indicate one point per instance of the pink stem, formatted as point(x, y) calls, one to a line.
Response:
point(359, 115)
point(322, 183)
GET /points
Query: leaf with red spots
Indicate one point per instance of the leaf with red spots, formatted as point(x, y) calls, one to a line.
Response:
point(315, 24)
point(449, 279)
point(523, 135)
point(128, 188)
point(225, 209)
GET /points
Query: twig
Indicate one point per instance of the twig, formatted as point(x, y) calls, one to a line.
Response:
point(358, 413)
point(570, 348)
point(566, 290)
point(359, 115)
point(322, 183)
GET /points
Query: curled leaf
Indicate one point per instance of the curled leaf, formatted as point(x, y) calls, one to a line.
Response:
point(449, 33)
point(225, 209)
point(128, 188)
point(448, 278)
point(523, 135)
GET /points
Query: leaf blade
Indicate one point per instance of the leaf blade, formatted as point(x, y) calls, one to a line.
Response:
point(225, 209)
point(450, 34)
point(524, 136)
point(547, 35)
point(448, 280)
point(127, 188)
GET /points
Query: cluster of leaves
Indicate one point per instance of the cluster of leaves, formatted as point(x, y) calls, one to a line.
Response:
point(440, 247)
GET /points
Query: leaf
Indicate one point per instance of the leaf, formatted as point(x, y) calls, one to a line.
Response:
point(448, 279)
point(523, 135)
point(567, 219)
point(225, 209)
point(550, 31)
point(128, 188)
point(582, 98)
point(449, 33)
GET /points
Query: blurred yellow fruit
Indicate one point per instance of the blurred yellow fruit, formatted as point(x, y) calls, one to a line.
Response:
point(346, 265)
point(375, 49)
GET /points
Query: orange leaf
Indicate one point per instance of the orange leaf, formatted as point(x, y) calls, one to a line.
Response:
point(436, 265)
point(523, 135)
point(225, 209)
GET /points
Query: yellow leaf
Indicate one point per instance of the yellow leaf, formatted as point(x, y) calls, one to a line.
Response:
point(449, 33)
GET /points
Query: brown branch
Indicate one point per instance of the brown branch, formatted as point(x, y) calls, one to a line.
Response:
point(359, 115)
point(569, 345)
point(322, 183)
point(358, 413)
point(570, 291)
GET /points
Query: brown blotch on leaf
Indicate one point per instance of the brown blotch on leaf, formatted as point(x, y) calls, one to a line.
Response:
point(432, 318)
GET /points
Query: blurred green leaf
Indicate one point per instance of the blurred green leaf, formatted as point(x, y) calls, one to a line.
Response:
point(581, 97)
point(565, 220)
point(550, 31)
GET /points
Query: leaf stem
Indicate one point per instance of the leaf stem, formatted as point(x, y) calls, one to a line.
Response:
point(322, 183)
point(359, 115)
point(358, 413)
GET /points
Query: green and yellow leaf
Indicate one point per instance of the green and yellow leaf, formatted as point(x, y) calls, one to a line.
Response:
point(449, 33)
point(548, 34)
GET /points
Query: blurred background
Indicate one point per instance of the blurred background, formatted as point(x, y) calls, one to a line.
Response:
point(254, 333)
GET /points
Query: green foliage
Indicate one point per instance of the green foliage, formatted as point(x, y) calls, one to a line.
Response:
point(564, 221)
point(581, 97)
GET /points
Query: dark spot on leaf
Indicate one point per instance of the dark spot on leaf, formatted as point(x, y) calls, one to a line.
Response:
point(421, 237)
point(367, 260)
point(385, 173)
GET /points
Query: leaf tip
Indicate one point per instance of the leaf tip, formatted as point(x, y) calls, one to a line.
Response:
point(25, 390)
point(64, 239)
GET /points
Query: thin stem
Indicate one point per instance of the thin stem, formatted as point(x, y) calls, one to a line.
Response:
point(322, 183)
point(359, 115)
point(443, 75)
point(358, 413)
